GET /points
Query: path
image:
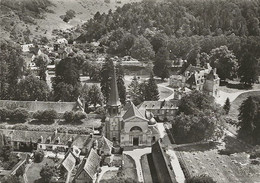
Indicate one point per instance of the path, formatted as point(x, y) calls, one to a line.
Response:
point(232, 96)
point(25, 172)
point(171, 89)
point(136, 154)
point(104, 169)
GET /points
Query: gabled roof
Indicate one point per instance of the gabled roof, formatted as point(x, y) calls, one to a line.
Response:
point(172, 104)
point(133, 112)
point(105, 143)
point(89, 164)
point(69, 161)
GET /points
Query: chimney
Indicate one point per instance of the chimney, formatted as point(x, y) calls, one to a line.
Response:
point(41, 139)
point(55, 132)
point(58, 140)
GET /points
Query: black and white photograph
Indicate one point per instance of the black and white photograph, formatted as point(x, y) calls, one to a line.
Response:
point(129, 91)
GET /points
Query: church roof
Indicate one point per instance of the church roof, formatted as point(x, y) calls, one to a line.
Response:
point(133, 111)
point(114, 97)
point(89, 164)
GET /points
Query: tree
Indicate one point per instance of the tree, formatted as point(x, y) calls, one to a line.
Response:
point(158, 41)
point(48, 115)
point(42, 61)
point(226, 107)
point(248, 69)
point(247, 115)
point(195, 102)
point(134, 91)
point(142, 49)
point(161, 64)
point(47, 172)
point(152, 92)
point(191, 128)
point(68, 116)
point(19, 114)
point(11, 69)
point(126, 43)
point(38, 156)
point(5, 152)
point(10, 179)
point(225, 61)
point(95, 96)
point(31, 88)
point(4, 113)
point(200, 179)
point(66, 83)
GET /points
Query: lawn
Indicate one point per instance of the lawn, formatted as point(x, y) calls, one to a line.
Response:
point(33, 173)
point(233, 113)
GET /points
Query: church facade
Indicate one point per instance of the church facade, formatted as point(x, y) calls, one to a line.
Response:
point(128, 127)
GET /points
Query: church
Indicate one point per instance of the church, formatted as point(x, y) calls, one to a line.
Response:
point(126, 125)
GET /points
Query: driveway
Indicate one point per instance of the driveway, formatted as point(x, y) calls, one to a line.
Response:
point(232, 96)
point(136, 154)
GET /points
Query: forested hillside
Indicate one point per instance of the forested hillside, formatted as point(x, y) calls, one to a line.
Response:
point(186, 28)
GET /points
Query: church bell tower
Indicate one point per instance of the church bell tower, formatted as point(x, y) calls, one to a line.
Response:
point(113, 120)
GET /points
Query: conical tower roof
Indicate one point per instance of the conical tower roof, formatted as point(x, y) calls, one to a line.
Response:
point(114, 97)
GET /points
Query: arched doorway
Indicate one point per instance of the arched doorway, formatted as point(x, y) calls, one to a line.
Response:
point(136, 133)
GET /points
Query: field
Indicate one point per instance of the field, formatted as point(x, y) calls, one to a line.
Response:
point(236, 167)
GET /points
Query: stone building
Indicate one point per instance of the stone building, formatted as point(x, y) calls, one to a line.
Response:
point(128, 127)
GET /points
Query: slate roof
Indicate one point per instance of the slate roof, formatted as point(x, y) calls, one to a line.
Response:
point(105, 143)
point(172, 104)
point(89, 164)
point(114, 97)
point(133, 111)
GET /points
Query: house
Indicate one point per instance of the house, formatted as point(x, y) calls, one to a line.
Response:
point(128, 127)
point(197, 78)
point(22, 140)
point(162, 110)
point(26, 47)
point(87, 171)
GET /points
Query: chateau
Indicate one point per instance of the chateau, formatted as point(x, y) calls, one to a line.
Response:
point(197, 78)
point(128, 126)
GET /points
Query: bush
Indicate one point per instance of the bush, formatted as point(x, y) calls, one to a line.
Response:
point(19, 114)
point(47, 115)
point(200, 179)
point(69, 116)
point(79, 116)
point(38, 156)
point(4, 113)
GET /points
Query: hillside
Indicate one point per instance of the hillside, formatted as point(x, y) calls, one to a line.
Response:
point(40, 17)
